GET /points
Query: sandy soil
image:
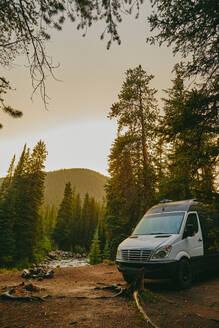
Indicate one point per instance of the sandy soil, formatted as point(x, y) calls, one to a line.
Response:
point(73, 302)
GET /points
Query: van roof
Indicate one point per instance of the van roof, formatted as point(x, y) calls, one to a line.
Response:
point(182, 205)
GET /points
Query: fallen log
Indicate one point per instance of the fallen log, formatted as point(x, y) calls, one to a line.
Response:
point(8, 296)
point(22, 292)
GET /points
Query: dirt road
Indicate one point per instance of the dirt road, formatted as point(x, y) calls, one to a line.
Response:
point(73, 301)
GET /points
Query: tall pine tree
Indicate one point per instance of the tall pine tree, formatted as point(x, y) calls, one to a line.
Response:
point(63, 229)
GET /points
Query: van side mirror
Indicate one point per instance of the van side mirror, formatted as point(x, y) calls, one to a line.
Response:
point(189, 230)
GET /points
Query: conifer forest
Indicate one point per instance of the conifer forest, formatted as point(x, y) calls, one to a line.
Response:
point(164, 149)
point(169, 155)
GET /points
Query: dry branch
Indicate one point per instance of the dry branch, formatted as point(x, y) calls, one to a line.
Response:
point(9, 296)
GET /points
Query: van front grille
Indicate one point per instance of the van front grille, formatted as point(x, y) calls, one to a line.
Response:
point(136, 255)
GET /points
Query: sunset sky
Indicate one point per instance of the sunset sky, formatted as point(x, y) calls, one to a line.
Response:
point(75, 127)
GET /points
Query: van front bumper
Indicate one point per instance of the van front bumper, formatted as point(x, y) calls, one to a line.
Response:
point(158, 269)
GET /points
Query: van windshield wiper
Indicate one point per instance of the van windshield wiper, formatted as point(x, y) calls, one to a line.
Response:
point(158, 233)
point(152, 233)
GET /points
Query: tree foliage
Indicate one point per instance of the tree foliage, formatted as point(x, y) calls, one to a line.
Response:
point(95, 254)
point(76, 221)
point(20, 207)
point(62, 231)
point(4, 88)
point(181, 149)
point(131, 187)
point(28, 228)
point(25, 27)
point(137, 112)
point(191, 134)
point(190, 27)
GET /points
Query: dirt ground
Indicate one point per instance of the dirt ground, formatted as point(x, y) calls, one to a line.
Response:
point(72, 301)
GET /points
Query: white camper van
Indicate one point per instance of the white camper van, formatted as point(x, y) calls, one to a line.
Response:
point(172, 240)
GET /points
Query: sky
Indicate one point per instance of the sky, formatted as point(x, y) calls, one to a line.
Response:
point(75, 126)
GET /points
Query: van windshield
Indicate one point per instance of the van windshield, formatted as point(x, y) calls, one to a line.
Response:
point(166, 223)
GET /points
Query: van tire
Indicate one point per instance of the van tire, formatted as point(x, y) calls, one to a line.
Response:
point(183, 278)
point(128, 278)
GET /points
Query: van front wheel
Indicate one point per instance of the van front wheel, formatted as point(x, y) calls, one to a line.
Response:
point(184, 274)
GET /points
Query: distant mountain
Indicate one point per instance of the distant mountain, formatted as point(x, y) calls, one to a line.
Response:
point(82, 180)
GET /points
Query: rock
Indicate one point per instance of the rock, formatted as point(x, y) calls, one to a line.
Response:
point(25, 274)
point(37, 273)
point(49, 274)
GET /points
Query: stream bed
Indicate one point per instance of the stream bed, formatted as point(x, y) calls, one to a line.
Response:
point(64, 259)
point(67, 263)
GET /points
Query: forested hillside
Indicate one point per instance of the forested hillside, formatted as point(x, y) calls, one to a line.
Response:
point(83, 180)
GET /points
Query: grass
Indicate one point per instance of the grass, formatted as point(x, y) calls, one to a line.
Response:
point(7, 271)
point(148, 296)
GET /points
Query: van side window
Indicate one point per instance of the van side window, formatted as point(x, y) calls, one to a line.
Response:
point(192, 220)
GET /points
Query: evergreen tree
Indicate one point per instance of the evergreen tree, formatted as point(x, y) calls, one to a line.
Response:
point(124, 192)
point(101, 226)
point(106, 251)
point(83, 222)
point(7, 180)
point(192, 141)
point(95, 255)
point(62, 231)
point(76, 239)
point(88, 221)
point(20, 208)
point(190, 27)
point(7, 240)
point(131, 188)
point(136, 111)
point(28, 185)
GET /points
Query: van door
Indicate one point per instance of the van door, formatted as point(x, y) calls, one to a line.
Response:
point(193, 244)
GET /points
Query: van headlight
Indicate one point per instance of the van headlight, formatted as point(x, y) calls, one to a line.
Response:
point(162, 252)
point(119, 254)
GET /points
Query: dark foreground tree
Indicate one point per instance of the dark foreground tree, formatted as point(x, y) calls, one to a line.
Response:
point(4, 88)
point(190, 27)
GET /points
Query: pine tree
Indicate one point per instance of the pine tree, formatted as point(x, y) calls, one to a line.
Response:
point(106, 251)
point(28, 184)
point(7, 240)
point(7, 180)
point(136, 111)
point(63, 229)
point(76, 239)
point(95, 255)
point(192, 142)
point(83, 232)
point(20, 210)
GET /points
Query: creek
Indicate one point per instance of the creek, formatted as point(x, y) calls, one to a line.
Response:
point(64, 263)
